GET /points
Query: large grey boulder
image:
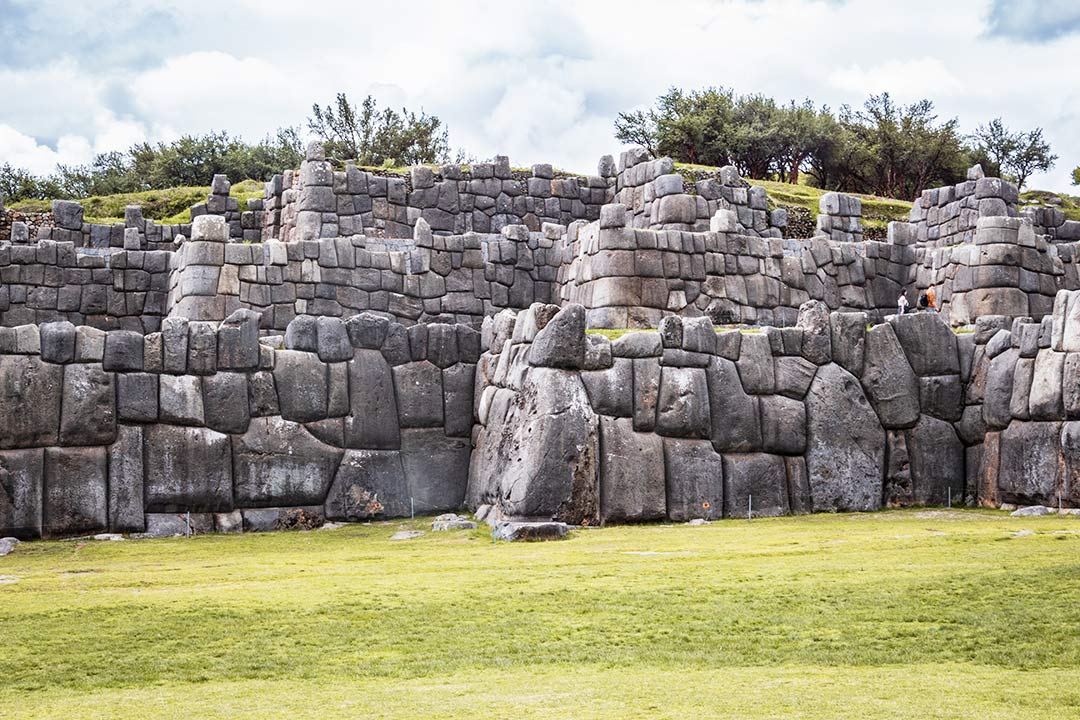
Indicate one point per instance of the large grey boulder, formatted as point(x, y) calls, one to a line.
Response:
point(224, 398)
point(436, 468)
point(30, 393)
point(282, 518)
point(1070, 452)
point(561, 344)
point(682, 406)
point(646, 391)
point(58, 342)
point(848, 333)
point(783, 425)
point(279, 463)
point(301, 381)
point(793, 376)
point(458, 396)
point(89, 406)
point(368, 484)
point(942, 396)
point(137, 397)
point(302, 333)
point(608, 389)
point(180, 399)
point(755, 485)
point(845, 443)
point(817, 331)
point(238, 341)
point(126, 481)
point(541, 459)
point(187, 469)
point(888, 379)
point(7, 544)
point(367, 330)
point(937, 462)
point(21, 486)
point(632, 485)
point(755, 364)
point(419, 392)
point(333, 340)
point(123, 350)
point(76, 491)
point(530, 531)
point(928, 342)
point(1029, 470)
point(998, 390)
point(1045, 402)
point(695, 480)
point(736, 424)
point(373, 418)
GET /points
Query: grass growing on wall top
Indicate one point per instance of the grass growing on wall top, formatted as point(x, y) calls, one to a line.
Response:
point(877, 211)
point(911, 614)
point(167, 206)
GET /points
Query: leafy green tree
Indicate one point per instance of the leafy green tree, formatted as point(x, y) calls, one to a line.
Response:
point(692, 127)
point(899, 150)
point(1032, 155)
point(19, 184)
point(994, 145)
point(1012, 155)
point(377, 137)
point(1076, 176)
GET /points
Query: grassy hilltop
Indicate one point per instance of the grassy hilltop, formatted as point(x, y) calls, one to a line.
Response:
point(907, 614)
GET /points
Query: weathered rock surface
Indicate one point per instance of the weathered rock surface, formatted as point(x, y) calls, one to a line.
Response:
point(845, 443)
point(542, 458)
point(278, 463)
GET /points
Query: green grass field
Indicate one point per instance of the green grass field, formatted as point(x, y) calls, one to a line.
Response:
point(910, 614)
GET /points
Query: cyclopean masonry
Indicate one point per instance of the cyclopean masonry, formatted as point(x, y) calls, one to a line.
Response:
point(357, 346)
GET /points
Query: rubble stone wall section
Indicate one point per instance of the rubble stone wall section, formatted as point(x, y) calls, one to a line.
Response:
point(431, 278)
point(631, 277)
point(318, 202)
point(202, 427)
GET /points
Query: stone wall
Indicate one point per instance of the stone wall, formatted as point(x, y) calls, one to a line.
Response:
point(49, 281)
point(206, 427)
point(826, 416)
point(430, 278)
point(631, 277)
point(318, 202)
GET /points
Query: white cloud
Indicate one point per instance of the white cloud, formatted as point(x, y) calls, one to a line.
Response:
point(538, 80)
point(906, 80)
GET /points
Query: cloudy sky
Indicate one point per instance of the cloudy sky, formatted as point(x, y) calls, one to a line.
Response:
point(539, 81)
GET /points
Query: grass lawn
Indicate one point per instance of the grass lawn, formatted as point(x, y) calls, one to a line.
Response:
point(908, 614)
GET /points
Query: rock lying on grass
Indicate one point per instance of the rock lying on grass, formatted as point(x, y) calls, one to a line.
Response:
point(1032, 510)
point(530, 531)
point(452, 521)
point(406, 534)
point(7, 545)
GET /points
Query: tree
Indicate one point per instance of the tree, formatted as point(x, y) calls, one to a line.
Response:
point(1013, 155)
point(1032, 155)
point(692, 127)
point(899, 150)
point(994, 145)
point(374, 137)
point(1076, 176)
point(637, 128)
